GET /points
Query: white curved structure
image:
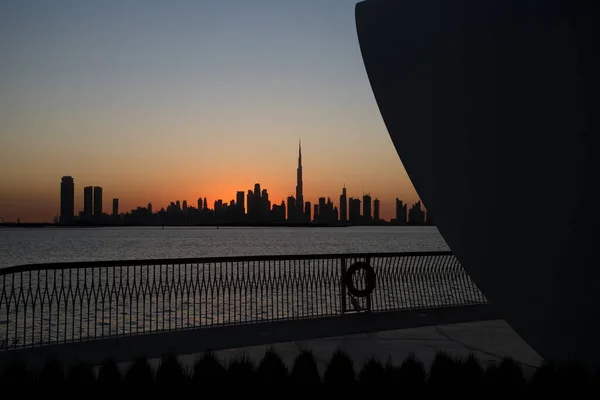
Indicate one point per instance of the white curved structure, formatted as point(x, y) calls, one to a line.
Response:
point(491, 107)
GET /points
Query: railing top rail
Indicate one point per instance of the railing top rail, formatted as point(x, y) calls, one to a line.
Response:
point(205, 260)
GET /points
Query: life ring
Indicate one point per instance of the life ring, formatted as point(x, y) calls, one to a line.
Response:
point(370, 278)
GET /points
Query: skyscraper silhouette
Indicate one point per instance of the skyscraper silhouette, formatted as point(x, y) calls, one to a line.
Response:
point(87, 202)
point(344, 205)
point(291, 207)
point(299, 188)
point(67, 200)
point(97, 202)
point(367, 216)
point(240, 202)
point(401, 212)
point(307, 211)
point(354, 211)
point(322, 212)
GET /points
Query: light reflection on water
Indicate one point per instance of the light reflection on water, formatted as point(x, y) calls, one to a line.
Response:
point(46, 306)
point(29, 246)
point(120, 301)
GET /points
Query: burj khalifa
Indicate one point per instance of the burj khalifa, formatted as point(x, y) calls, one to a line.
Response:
point(299, 189)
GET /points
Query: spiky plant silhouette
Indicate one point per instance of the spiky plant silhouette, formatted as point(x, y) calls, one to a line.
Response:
point(140, 375)
point(209, 372)
point(471, 373)
point(410, 374)
point(51, 378)
point(15, 376)
point(506, 376)
point(304, 370)
point(372, 373)
point(272, 370)
point(171, 374)
point(109, 377)
point(340, 370)
point(241, 371)
point(444, 372)
point(80, 377)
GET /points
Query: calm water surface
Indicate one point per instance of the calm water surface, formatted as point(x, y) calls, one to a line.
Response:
point(26, 246)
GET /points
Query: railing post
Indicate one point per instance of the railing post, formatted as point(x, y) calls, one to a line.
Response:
point(368, 261)
point(342, 285)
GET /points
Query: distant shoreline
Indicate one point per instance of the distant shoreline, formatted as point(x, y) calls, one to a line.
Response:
point(225, 225)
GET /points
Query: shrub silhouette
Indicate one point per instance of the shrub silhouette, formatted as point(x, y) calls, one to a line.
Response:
point(595, 383)
point(139, 375)
point(51, 377)
point(241, 372)
point(16, 376)
point(410, 374)
point(572, 376)
point(543, 379)
point(444, 372)
point(305, 371)
point(272, 369)
point(109, 376)
point(80, 377)
point(340, 370)
point(372, 373)
point(391, 374)
point(209, 372)
point(472, 373)
point(507, 375)
point(170, 374)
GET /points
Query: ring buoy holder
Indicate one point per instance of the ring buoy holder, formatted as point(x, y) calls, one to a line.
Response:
point(370, 278)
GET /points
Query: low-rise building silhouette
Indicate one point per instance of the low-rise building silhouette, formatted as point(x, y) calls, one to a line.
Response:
point(115, 207)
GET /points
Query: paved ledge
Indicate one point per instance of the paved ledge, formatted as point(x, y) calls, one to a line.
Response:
point(127, 348)
point(490, 341)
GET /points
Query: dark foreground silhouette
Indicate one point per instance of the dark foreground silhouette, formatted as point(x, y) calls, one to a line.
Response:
point(445, 373)
point(486, 98)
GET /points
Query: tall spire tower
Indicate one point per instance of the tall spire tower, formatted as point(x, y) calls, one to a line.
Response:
point(299, 188)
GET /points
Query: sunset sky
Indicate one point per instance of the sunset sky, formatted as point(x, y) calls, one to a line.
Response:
point(158, 101)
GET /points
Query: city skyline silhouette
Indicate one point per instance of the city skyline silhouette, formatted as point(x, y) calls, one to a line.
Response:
point(176, 101)
point(252, 207)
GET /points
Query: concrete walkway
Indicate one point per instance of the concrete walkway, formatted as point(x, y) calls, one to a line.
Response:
point(127, 348)
point(490, 341)
point(458, 331)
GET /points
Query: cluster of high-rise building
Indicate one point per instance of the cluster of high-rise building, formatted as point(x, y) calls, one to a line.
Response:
point(92, 204)
point(415, 215)
point(251, 207)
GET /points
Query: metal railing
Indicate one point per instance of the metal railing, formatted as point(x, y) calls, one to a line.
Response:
point(47, 304)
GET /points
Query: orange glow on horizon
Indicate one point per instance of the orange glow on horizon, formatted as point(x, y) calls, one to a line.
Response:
point(45, 205)
point(186, 102)
point(32, 193)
